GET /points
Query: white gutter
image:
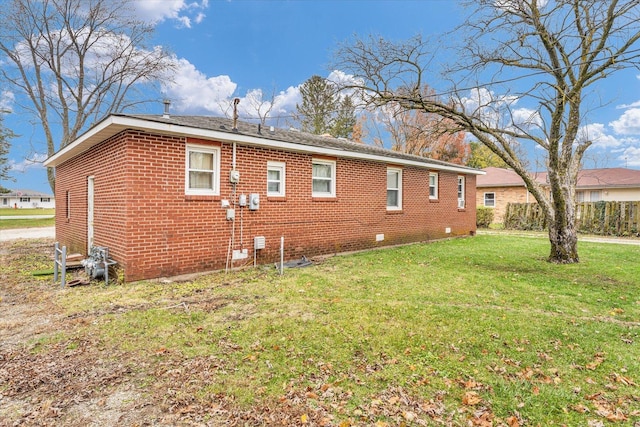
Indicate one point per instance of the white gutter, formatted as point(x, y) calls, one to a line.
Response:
point(115, 124)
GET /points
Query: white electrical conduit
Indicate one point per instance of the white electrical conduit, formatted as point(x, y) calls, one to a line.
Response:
point(281, 255)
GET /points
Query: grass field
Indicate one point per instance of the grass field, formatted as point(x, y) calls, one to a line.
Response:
point(480, 331)
point(20, 212)
point(6, 222)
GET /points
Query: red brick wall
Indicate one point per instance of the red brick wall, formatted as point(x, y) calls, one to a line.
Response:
point(154, 230)
point(105, 163)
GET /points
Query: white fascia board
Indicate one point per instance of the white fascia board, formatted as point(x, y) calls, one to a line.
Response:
point(119, 123)
point(85, 141)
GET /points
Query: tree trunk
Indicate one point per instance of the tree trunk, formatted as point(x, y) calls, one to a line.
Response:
point(51, 176)
point(563, 235)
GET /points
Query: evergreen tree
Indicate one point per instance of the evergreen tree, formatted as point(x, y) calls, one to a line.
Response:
point(345, 118)
point(322, 109)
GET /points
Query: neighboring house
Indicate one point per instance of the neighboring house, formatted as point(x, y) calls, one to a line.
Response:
point(177, 194)
point(608, 184)
point(20, 199)
point(500, 187)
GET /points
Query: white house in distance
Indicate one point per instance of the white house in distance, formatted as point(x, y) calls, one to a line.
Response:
point(22, 199)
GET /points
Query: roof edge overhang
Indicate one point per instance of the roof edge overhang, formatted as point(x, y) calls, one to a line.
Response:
point(114, 124)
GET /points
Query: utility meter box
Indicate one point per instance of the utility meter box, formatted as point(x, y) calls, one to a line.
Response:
point(254, 201)
point(234, 176)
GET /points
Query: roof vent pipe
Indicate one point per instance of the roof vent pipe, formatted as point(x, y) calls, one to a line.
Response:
point(167, 104)
point(236, 101)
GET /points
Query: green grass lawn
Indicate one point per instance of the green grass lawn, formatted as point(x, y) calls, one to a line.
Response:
point(7, 222)
point(28, 211)
point(477, 331)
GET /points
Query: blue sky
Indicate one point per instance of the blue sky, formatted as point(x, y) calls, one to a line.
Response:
point(237, 48)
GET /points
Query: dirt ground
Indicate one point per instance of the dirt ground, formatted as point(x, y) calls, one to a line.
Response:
point(76, 382)
point(56, 386)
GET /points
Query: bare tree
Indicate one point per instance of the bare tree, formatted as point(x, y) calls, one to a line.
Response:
point(541, 53)
point(420, 133)
point(76, 61)
point(5, 136)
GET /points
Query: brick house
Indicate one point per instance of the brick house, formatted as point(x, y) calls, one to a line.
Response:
point(499, 187)
point(176, 194)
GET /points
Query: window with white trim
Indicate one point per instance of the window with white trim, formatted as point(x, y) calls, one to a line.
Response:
point(25, 199)
point(489, 200)
point(45, 199)
point(461, 201)
point(275, 179)
point(433, 185)
point(394, 189)
point(202, 170)
point(595, 196)
point(323, 178)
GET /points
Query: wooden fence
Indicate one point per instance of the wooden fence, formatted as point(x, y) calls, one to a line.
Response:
point(605, 218)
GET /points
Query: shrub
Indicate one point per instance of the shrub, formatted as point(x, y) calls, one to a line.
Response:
point(484, 217)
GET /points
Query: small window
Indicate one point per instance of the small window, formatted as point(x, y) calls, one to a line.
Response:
point(324, 178)
point(461, 202)
point(579, 196)
point(25, 199)
point(595, 196)
point(5, 202)
point(45, 199)
point(275, 179)
point(433, 185)
point(202, 170)
point(490, 200)
point(394, 189)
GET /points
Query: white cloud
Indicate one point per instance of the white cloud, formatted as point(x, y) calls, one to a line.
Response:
point(628, 123)
point(35, 161)
point(526, 117)
point(596, 133)
point(630, 156)
point(182, 11)
point(191, 91)
point(625, 106)
point(491, 108)
point(516, 5)
point(6, 100)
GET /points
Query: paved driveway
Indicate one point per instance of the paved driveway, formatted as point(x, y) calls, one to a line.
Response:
point(27, 233)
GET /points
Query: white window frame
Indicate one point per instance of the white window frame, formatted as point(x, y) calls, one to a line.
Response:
point(398, 189)
point(595, 196)
point(215, 190)
point(25, 199)
point(332, 179)
point(281, 168)
point(493, 200)
point(461, 191)
point(433, 175)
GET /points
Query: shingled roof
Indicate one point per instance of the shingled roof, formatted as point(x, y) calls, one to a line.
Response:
point(587, 178)
point(248, 133)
